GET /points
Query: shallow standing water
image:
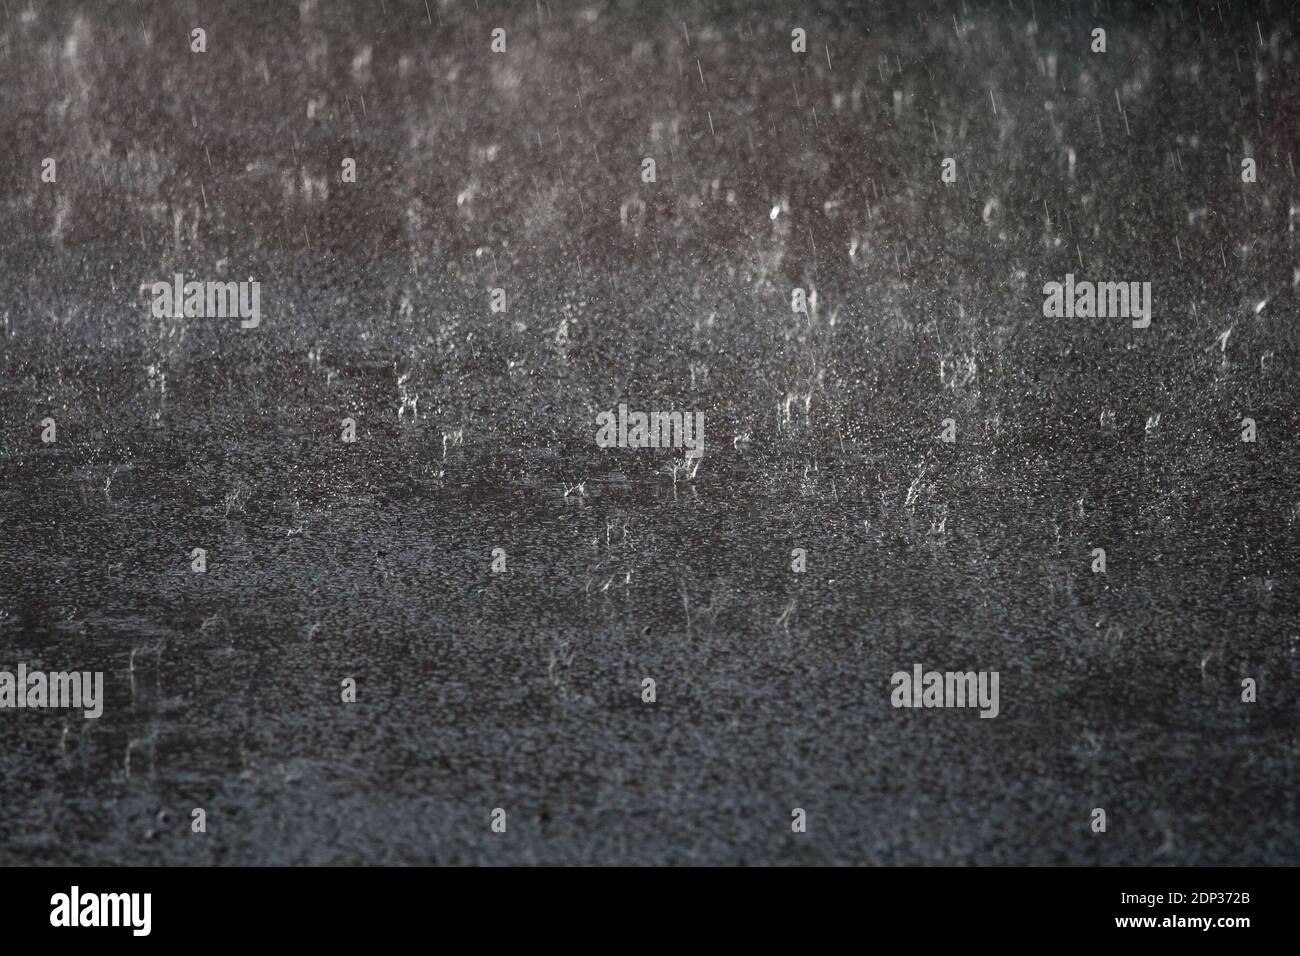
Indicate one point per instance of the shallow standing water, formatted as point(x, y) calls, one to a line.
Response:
point(475, 431)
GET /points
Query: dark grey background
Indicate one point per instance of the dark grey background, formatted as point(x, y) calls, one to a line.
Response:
point(521, 690)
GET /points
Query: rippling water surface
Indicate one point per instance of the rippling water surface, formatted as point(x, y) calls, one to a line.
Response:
point(522, 690)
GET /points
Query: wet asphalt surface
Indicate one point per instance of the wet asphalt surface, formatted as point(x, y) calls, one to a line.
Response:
point(522, 690)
